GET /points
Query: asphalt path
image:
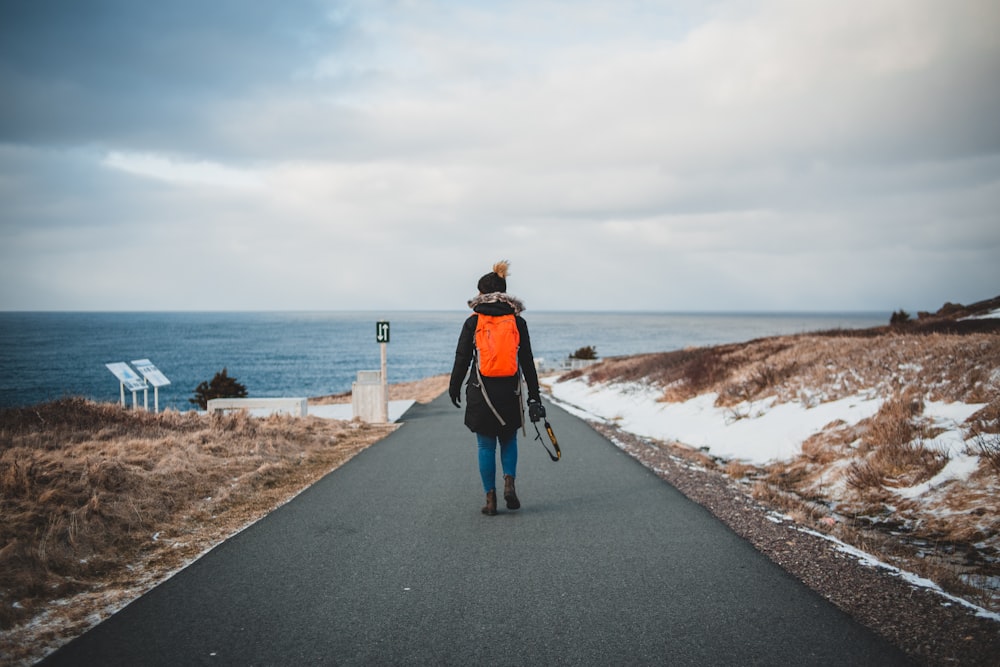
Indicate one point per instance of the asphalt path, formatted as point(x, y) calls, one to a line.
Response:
point(388, 561)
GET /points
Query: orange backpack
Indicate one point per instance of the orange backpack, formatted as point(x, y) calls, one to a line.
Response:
point(497, 341)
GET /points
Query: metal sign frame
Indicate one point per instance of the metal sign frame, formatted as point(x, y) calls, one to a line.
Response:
point(127, 378)
point(154, 377)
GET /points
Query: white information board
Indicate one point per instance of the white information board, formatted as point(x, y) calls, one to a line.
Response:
point(151, 373)
point(128, 377)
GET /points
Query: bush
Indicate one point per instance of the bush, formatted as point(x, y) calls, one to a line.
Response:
point(985, 432)
point(706, 366)
point(899, 317)
point(588, 352)
point(221, 386)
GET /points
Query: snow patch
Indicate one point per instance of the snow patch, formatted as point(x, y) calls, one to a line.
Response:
point(993, 314)
point(757, 432)
point(958, 468)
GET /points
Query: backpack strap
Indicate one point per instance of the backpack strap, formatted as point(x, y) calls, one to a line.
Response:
point(486, 396)
point(520, 398)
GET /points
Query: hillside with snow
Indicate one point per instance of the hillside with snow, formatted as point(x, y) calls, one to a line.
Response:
point(887, 439)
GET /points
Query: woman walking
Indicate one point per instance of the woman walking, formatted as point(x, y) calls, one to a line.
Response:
point(494, 341)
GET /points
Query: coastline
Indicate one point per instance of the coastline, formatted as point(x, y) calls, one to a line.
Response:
point(909, 616)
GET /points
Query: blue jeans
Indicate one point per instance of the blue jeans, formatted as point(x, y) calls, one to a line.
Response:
point(488, 458)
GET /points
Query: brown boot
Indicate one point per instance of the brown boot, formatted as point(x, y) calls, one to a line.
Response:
point(490, 509)
point(509, 495)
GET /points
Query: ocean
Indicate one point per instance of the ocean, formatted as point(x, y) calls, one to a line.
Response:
point(49, 355)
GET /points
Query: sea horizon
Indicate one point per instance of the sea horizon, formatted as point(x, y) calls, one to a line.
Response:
point(46, 355)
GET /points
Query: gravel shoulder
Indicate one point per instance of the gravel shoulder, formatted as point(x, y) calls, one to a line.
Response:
point(928, 627)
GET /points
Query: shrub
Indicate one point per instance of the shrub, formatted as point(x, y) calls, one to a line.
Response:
point(899, 318)
point(706, 367)
point(221, 386)
point(950, 309)
point(588, 352)
point(987, 447)
point(985, 432)
point(763, 378)
point(893, 424)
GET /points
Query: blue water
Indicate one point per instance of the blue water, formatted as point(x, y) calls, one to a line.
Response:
point(46, 355)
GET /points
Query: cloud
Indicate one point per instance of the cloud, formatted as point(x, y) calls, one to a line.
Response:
point(174, 171)
point(727, 155)
point(110, 71)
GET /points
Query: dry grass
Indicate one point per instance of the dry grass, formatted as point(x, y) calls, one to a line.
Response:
point(690, 372)
point(99, 503)
point(891, 453)
point(984, 426)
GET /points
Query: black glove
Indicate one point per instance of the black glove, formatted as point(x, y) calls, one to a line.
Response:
point(536, 410)
point(456, 399)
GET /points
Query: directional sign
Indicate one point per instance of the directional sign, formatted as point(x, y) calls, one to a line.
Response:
point(151, 373)
point(127, 376)
point(381, 332)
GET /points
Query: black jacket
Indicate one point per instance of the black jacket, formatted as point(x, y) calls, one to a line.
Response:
point(504, 393)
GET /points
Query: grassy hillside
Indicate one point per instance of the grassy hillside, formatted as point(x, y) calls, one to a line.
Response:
point(884, 483)
point(100, 503)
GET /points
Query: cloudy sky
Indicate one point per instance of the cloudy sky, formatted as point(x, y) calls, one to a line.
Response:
point(653, 155)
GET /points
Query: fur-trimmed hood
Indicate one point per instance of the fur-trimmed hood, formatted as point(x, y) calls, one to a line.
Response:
point(498, 297)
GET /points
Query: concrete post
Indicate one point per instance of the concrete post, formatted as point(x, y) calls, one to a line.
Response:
point(367, 397)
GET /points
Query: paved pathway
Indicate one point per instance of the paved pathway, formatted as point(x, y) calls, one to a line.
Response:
point(388, 561)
